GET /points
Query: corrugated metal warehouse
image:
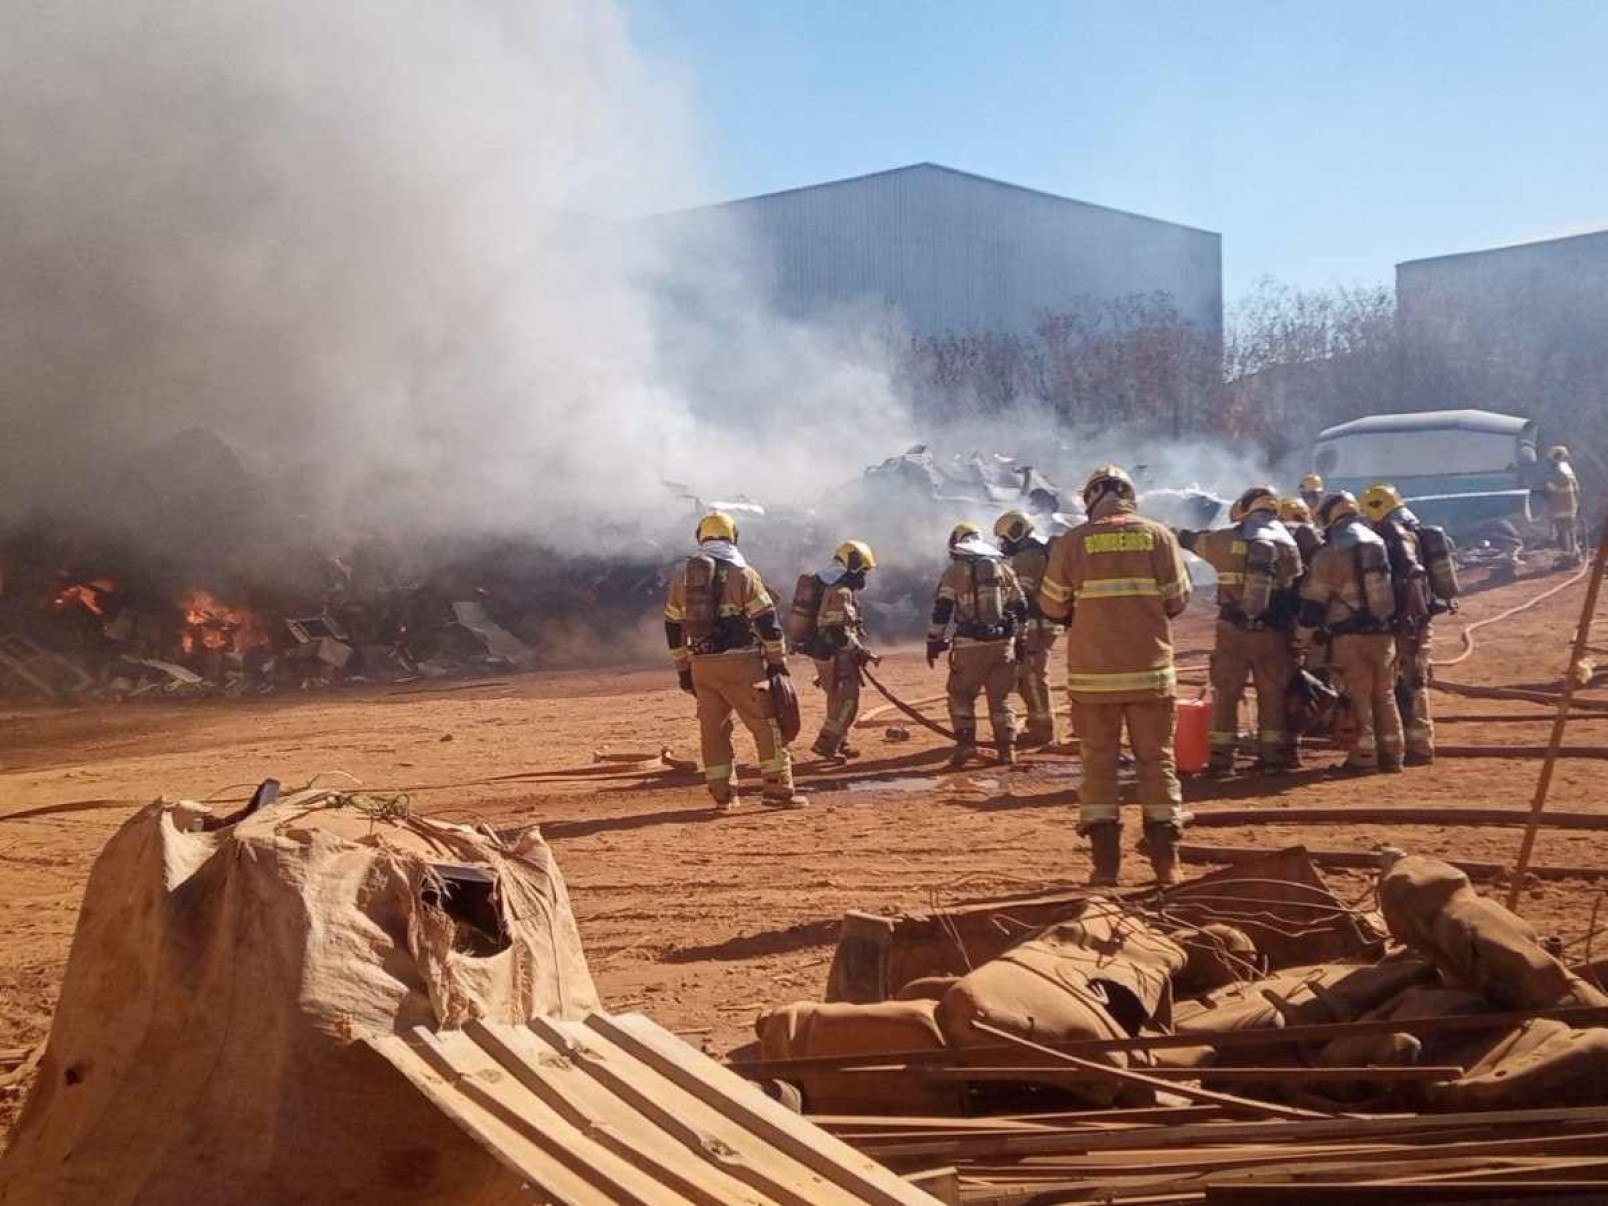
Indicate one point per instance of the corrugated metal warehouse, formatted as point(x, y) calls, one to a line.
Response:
point(1512, 328)
point(949, 252)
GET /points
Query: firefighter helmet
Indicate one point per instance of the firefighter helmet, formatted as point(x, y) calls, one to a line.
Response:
point(1257, 498)
point(964, 530)
point(1380, 499)
point(1295, 510)
point(1107, 478)
point(1557, 453)
point(1312, 482)
point(855, 555)
point(1013, 527)
point(717, 525)
point(1335, 508)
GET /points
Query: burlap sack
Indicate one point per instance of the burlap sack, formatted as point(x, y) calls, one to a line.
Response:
point(202, 1050)
point(809, 1028)
point(1102, 976)
point(1431, 907)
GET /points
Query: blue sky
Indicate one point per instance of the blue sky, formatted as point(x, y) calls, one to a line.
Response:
point(1325, 142)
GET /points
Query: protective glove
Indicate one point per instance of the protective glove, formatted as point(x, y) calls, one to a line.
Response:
point(776, 670)
point(935, 650)
point(684, 677)
point(864, 657)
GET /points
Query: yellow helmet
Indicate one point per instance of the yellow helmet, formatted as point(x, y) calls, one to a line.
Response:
point(1257, 498)
point(963, 531)
point(1013, 526)
point(1313, 482)
point(1380, 499)
point(717, 525)
point(1108, 477)
point(1335, 508)
point(1557, 453)
point(1295, 510)
point(855, 555)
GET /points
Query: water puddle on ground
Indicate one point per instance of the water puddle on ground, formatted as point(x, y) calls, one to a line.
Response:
point(910, 783)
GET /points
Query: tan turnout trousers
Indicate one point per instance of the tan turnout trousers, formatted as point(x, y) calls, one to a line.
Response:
point(982, 668)
point(1150, 735)
point(1267, 659)
point(728, 683)
point(1413, 671)
point(1365, 664)
point(1033, 681)
point(839, 677)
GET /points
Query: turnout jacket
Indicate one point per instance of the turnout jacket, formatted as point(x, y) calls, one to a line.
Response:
point(1333, 593)
point(1030, 561)
point(745, 617)
point(837, 623)
point(979, 596)
point(1258, 565)
point(1563, 492)
point(1121, 581)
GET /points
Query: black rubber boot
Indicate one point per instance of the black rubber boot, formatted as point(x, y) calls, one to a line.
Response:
point(1105, 844)
point(1161, 844)
point(965, 747)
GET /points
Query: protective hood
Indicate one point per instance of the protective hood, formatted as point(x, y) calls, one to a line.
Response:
point(975, 546)
point(832, 574)
point(1111, 503)
point(1261, 526)
point(1402, 515)
point(723, 550)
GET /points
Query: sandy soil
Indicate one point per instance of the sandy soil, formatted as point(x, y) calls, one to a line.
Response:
point(702, 921)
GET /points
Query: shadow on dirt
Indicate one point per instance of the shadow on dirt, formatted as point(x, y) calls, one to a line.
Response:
point(768, 942)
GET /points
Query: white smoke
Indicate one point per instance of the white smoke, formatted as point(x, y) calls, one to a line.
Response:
point(375, 246)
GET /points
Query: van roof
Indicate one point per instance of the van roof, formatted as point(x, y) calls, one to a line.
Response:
point(1485, 421)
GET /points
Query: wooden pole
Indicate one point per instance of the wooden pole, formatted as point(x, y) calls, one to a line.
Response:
point(1559, 721)
point(1203, 1096)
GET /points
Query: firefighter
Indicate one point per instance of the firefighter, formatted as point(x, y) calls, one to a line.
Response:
point(1312, 492)
point(1028, 555)
point(724, 637)
point(976, 617)
point(1120, 580)
point(1258, 569)
point(1416, 607)
point(1348, 600)
point(1563, 505)
point(838, 645)
point(1296, 516)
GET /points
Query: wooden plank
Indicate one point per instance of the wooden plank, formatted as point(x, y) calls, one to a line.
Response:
point(1383, 1075)
point(1310, 1193)
point(1390, 1127)
point(568, 1087)
point(859, 1179)
point(505, 1140)
point(1205, 817)
point(701, 1122)
point(1369, 860)
point(1129, 1076)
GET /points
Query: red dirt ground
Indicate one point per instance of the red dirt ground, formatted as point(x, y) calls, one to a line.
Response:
point(703, 921)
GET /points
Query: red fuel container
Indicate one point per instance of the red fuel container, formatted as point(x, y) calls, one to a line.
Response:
point(1192, 735)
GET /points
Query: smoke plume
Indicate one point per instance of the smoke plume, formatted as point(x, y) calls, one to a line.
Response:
point(378, 249)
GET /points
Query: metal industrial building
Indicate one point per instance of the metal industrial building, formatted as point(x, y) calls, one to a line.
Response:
point(949, 252)
point(1516, 328)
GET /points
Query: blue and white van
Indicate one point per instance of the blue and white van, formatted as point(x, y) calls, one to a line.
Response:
point(1459, 469)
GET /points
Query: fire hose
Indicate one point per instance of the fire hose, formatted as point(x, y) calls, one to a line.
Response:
point(907, 709)
point(1467, 634)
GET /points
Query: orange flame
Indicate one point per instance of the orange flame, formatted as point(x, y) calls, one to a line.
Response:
point(87, 595)
point(211, 625)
